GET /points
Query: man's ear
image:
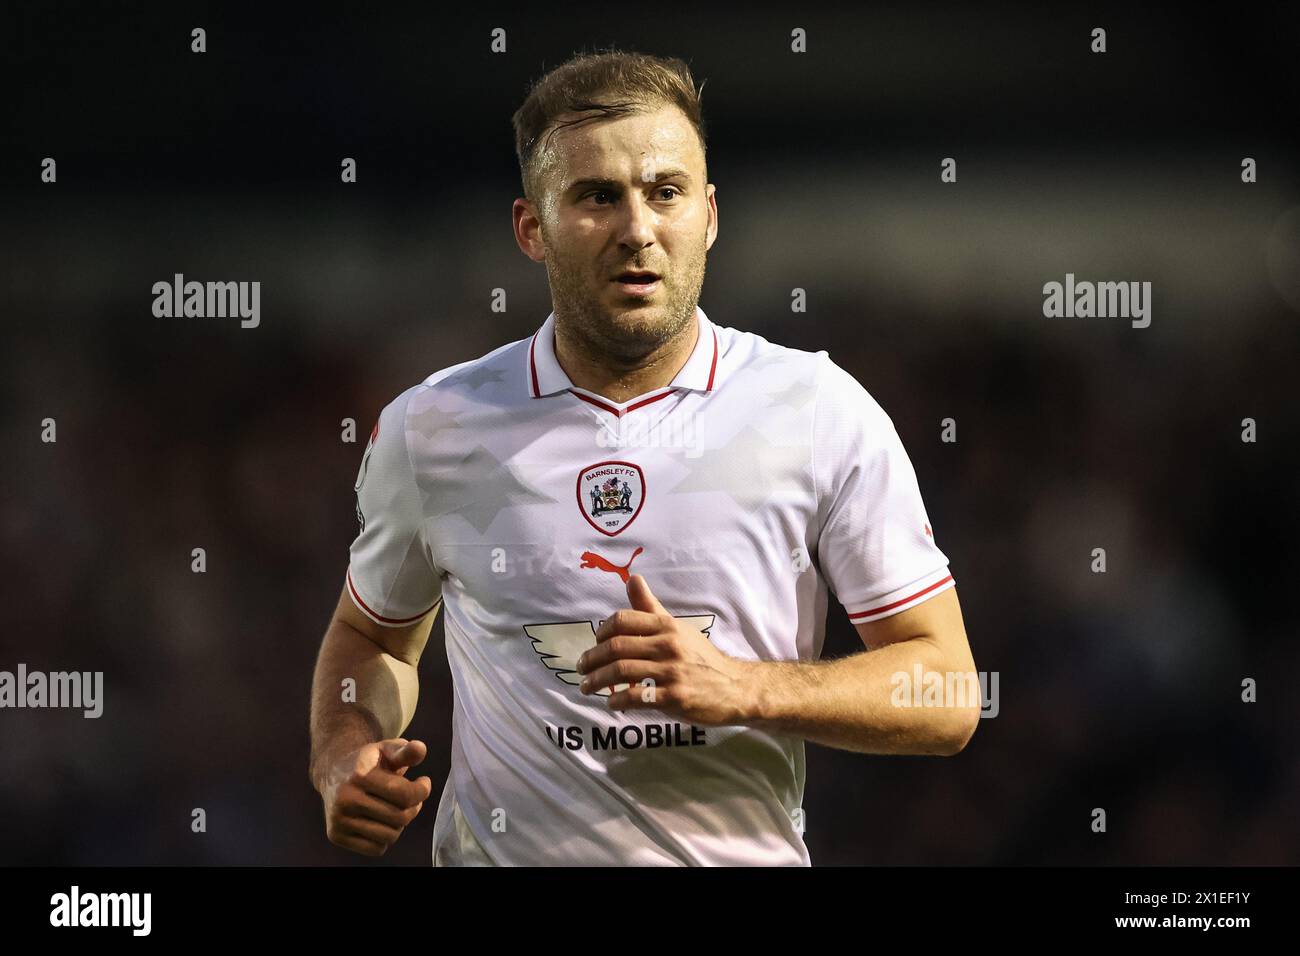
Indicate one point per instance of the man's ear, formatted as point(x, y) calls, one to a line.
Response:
point(528, 230)
point(712, 192)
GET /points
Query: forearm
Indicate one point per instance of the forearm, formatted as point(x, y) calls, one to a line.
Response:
point(377, 704)
point(853, 703)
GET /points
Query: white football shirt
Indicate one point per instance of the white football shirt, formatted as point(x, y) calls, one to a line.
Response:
point(761, 477)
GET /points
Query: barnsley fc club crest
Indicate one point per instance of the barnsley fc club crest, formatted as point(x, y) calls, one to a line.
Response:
point(610, 495)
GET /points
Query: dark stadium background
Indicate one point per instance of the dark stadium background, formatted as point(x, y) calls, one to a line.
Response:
point(1118, 690)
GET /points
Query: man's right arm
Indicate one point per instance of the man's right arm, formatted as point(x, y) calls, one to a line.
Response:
point(364, 693)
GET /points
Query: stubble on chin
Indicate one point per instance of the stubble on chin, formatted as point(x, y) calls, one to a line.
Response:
point(633, 334)
point(626, 333)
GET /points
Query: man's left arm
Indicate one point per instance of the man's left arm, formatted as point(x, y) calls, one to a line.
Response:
point(871, 702)
point(868, 702)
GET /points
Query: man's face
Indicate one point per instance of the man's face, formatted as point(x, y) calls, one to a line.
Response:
point(622, 194)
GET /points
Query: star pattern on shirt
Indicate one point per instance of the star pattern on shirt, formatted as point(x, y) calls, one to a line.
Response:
point(749, 469)
point(483, 375)
point(431, 420)
point(768, 365)
point(801, 385)
point(795, 395)
point(490, 486)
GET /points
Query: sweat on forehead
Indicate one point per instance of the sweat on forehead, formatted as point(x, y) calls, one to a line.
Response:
point(659, 135)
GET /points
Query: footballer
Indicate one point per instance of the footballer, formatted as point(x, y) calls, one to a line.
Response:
point(632, 521)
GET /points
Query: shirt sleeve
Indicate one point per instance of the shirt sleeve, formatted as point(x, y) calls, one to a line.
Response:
point(876, 549)
point(391, 576)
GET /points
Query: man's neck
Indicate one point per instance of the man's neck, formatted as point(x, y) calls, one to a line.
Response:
point(621, 382)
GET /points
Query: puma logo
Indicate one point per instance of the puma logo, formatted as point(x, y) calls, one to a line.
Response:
point(590, 559)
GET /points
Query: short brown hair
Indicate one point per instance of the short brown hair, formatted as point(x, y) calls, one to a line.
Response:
point(611, 82)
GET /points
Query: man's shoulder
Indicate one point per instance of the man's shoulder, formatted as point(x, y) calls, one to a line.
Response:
point(768, 366)
point(496, 377)
point(503, 366)
point(750, 354)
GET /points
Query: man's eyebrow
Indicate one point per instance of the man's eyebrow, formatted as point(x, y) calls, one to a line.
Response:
point(660, 175)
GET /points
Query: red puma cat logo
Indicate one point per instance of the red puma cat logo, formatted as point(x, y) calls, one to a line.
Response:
point(590, 559)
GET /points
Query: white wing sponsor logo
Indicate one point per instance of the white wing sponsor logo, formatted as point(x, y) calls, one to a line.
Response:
point(560, 645)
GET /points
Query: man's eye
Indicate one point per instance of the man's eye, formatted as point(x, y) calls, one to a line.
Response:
point(673, 192)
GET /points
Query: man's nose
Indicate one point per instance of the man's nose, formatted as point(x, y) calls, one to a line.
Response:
point(637, 229)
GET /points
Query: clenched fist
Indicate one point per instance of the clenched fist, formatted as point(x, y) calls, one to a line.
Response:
point(368, 800)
